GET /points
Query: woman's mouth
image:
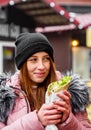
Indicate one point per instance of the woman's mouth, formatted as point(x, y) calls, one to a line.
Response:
point(40, 74)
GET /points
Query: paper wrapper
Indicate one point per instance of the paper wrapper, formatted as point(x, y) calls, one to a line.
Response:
point(50, 97)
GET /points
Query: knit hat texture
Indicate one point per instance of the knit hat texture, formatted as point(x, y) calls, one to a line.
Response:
point(29, 43)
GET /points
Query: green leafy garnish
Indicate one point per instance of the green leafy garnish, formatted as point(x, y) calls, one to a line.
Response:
point(57, 85)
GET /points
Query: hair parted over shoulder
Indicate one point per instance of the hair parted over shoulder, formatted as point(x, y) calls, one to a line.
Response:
point(36, 102)
point(29, 43)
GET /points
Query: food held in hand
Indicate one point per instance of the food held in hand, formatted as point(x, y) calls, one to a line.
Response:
point(58, 86)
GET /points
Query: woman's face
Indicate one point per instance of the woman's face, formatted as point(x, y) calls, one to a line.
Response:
point(38, 66)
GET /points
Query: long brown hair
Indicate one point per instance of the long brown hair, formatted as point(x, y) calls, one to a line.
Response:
point(36, 101)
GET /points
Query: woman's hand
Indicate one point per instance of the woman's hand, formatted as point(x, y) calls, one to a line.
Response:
point(63, 105)
point(48, 114)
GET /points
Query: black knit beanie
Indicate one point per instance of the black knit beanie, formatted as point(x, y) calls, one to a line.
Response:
point(29, 43)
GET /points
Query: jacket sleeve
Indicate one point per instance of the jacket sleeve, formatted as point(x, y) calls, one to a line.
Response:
point(76, 122)
point(28, 122)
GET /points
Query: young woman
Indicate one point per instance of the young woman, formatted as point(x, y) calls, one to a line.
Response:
point(22, 99)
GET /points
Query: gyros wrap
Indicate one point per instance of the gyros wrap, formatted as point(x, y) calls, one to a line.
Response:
point(54, 88)
point(58, 86)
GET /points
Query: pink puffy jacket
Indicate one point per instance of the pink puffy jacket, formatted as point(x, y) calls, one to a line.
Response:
point(19, 119)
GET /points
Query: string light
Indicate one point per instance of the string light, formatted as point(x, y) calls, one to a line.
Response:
point(52, 4)
point(71, 19)
point(80, 26)
point(62, 12)
point(74, 43)
point(11, 2)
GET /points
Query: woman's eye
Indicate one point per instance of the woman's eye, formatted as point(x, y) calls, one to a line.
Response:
point(46, 59)
point(33, 59)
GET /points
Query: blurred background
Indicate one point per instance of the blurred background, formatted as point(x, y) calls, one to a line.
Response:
point(66, 23)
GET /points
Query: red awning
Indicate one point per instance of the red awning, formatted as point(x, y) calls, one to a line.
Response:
point(84, 20)
point(80, 20)
point(56, 28)
point(5, 2)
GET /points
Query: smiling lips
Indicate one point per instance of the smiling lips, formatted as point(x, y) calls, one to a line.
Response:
point(40, 74)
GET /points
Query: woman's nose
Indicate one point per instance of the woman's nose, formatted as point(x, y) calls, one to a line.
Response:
point(41, 65)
